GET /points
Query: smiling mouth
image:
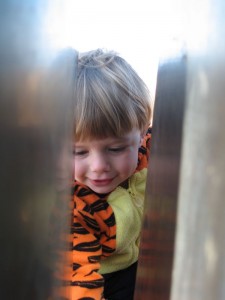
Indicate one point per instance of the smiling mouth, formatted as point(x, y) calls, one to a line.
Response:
point(101, 182)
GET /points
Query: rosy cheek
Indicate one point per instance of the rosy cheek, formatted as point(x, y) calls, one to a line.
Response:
point(128, 165)
point(77, 169)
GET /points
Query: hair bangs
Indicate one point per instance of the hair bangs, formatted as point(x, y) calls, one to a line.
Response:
point(97, 123)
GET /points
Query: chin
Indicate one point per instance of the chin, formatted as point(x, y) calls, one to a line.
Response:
point(102, 189)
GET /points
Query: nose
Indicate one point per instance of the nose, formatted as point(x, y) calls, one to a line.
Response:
point(99, 163)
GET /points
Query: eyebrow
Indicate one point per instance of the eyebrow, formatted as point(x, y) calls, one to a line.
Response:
point(114, 140)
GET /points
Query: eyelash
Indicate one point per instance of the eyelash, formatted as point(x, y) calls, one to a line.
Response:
point(119, 149)
point(113, 150)
point(79, 153)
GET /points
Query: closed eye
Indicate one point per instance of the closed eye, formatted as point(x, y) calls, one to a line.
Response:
point(117, 149)
point(80, 152)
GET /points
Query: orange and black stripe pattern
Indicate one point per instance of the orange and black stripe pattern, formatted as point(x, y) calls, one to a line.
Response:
point(94, 238)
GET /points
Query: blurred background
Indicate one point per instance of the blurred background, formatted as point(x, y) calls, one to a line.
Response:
point(36, 90)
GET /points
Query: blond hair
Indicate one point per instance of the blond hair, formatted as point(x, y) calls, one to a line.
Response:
point(110, 98)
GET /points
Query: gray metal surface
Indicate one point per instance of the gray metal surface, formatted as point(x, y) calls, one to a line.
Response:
point(157, 243)
point(35, 164)
point(199, 270)
point(182, 251)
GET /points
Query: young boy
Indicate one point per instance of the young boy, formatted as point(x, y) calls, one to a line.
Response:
point(112, 116)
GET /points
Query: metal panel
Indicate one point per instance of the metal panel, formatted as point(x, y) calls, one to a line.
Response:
point(199, 270)
point(157, 243)
point(35, 164)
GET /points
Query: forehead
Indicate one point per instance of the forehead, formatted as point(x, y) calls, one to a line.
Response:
point(126, 138)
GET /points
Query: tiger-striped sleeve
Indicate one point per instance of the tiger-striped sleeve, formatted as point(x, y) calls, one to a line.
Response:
point(94, 235)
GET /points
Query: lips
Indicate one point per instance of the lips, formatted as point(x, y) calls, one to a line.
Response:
point(101, 182)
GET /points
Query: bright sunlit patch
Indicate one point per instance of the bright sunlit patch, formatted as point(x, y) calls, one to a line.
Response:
point(141, 31)
point(199, 25)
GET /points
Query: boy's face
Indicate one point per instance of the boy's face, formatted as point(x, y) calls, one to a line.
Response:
point(104, 164)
